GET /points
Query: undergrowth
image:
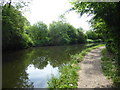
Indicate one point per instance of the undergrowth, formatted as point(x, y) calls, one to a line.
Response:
point(110, 67)
point(69, 75)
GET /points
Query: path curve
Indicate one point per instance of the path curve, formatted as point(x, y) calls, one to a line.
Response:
point(90, 75)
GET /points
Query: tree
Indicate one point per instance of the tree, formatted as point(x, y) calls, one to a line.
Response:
point(81, 36)
point(13, 31)
point(58, 33)
point(92, 35)
point(106, 19)
point(63, 33)
point(39, 33)
point(18, 4)
point(72, 33)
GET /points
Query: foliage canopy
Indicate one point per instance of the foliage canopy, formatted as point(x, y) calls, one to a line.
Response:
point(106, 20)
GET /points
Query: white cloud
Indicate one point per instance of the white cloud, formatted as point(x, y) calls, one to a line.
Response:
point(77, 21)
point(49, 10)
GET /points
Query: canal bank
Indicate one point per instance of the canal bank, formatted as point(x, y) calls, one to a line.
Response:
point(69, 74)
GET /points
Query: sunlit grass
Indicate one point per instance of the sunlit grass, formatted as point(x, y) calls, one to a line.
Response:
point(94, 41)
point(68, 78)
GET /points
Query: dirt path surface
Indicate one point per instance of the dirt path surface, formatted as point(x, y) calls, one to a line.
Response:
point(90, 75)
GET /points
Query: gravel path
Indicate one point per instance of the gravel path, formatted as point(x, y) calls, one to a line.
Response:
point(90, 75)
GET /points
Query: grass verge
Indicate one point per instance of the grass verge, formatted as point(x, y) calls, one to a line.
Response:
point(110, 67)
point(79, 57)
point(69, 75)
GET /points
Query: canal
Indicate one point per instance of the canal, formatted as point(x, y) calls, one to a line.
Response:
point(33, 67)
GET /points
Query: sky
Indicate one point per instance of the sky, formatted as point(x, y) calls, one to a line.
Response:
point(49, 11)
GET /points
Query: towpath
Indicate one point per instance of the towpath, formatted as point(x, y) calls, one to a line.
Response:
point(90, 75)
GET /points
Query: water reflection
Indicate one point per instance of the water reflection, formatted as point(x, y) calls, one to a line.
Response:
point(33, 67)
point(40, 62)
point(41, 76)
point(24, 82)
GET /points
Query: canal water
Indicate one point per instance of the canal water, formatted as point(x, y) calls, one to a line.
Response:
point(33, 67)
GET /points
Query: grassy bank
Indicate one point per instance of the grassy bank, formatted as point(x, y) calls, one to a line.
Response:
point(69, 75)
point(94, 41)
point(110, 67)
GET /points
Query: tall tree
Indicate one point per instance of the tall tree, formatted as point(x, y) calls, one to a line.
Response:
point(64, 33)
point(106, 19)
point(13, 29)
point(39, 33)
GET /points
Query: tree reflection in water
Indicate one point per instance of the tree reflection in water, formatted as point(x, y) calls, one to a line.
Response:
point(40, 62)
point(24, 81)
point(43, 59)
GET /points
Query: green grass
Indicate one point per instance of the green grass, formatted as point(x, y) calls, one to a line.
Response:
point(110, 67)
point(69, 75)
point(84, 52)
point(94, 41)
point(90, 40)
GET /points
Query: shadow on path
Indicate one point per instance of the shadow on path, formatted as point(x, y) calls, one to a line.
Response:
point(90, 75)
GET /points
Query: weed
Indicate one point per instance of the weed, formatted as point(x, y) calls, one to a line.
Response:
point(68, 78)
point(110, 67)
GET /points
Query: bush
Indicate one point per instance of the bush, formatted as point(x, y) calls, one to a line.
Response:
point(67, 79)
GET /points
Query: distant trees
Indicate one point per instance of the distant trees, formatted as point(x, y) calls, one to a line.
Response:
point(17, 33)
point(58, 33)
point(39, 33)
point(94, 35)
point(81, 36)
point(64, 33)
